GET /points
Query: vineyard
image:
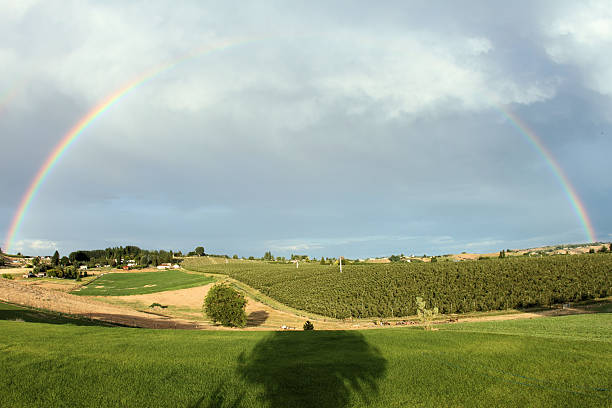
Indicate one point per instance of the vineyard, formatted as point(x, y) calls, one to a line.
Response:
point(389, 290)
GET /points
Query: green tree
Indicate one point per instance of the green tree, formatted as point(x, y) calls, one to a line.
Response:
point(322, 261)
point(235, 256)
point(36, 261)
point(55, 259)
point(64, 261)
point(226, 306)
point(426, 315)
point(308, 325)
point(199, 251)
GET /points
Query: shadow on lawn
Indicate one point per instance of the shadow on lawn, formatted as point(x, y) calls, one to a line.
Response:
point(313, 369)
point(218, 399)
point(35, 316)
point(257, 318)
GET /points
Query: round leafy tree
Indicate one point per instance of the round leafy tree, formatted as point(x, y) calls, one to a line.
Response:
point(308, 325)
point(226, 306)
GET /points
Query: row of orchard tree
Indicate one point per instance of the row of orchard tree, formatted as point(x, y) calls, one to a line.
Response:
point(390, 290)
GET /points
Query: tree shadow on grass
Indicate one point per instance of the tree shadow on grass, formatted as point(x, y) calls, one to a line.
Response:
point(218, 399)
point(19, 314)
point(257, 318)
point(313, 369)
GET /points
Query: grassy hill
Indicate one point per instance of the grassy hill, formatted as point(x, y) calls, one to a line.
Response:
point(388, 290)
point(138, 283)
point(558, 361)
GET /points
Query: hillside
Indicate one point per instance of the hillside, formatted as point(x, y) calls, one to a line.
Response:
point(388, 290)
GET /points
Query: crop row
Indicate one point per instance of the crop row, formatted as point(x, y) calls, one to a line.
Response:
point(389, 290)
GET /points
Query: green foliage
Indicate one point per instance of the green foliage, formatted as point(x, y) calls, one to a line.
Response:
point(226, 306)
point(8, 276)
point(268, 256)
point(426, 315)
point(55, 259)
point(199, 251)
point(395, 258)
point(114, 256)
point(387, 290)
point(502, 254)
point(308, 325)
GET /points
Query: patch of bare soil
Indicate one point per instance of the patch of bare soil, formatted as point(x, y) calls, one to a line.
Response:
point(259, 315)
point(43, 298)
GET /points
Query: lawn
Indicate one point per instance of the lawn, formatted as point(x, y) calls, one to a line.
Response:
point(552, 362)
point(138, 283)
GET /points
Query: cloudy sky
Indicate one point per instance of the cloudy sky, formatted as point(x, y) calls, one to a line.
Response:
point(347, 128)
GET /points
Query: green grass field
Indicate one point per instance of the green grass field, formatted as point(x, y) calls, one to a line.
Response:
point(138, 283)
point(555, 362)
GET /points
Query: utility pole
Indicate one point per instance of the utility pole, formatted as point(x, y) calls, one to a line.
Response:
point(340, 264)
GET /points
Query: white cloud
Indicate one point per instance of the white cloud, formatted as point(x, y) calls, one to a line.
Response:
point(582, 37)
point(35, 245)
point(303, 244)
point(479, 45)
point(487, 242)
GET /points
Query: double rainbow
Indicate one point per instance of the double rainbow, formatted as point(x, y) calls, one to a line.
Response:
point(112, 99)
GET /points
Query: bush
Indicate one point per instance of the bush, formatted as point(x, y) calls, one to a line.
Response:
point(8, 276)
point(308, 325)
point(226, 306)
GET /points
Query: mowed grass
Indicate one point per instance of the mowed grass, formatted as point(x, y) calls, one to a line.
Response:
point(138, 283)
point(507, 364)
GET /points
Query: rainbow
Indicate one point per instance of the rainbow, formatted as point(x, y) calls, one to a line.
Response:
point(533, 139)
point(112, 99)
point(88, 119)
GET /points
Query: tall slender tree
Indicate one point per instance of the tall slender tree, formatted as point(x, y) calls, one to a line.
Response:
point(55, 258)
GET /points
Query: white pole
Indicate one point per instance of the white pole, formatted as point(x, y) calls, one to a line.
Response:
point(297, 264)
point(340, 264)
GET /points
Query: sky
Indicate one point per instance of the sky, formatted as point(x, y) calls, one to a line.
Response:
point(331, 129)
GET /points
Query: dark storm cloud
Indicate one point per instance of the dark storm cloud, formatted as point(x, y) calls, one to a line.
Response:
point(346, 129)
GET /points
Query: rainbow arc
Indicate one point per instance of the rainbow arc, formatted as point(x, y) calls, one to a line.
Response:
point(111, 100)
